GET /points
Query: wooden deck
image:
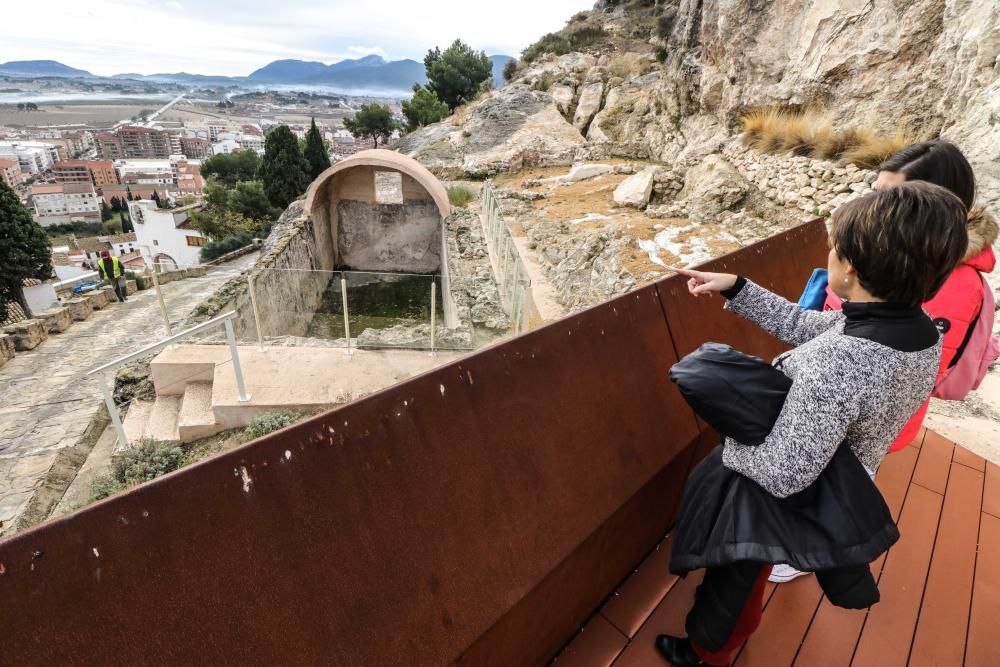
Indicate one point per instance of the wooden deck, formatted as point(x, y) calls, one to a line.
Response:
point(940, 585)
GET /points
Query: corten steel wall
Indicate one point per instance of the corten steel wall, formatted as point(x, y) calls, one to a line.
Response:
point(476, 514)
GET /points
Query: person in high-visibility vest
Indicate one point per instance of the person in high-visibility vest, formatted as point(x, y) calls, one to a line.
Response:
point(111, 271)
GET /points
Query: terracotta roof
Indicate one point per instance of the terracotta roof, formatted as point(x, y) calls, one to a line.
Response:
point(78, 188)
point(122, 238)
point(47, 188)
point(7, 163)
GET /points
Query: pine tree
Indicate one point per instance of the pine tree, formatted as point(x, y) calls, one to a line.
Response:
point(106, 213)
point(315, 152)
point(457, 74)
point(374, 121)
point(25, 252)
point(423, 108)
point(284, 170)
point(116, 205)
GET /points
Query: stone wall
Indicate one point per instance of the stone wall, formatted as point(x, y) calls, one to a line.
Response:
point(287, 283)
point(404, 238)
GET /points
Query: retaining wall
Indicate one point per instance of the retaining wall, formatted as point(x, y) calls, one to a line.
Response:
point(477, 514)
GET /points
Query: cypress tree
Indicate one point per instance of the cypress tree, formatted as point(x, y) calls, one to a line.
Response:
point(25, 252)
point(315, 152)
point(284, 170)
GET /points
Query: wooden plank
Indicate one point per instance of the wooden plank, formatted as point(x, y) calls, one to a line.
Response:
point(597, 645)
point(967, 458)
point(786, 619)
point(888, 630)
point(983, 649)
point(667, 618)
point(991, 492)
point(893, 478)
point(944, 611)
point(831, 637)
point(932, 465)
point(636, 599)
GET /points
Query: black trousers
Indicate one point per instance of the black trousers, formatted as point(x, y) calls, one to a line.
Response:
point(121, 289)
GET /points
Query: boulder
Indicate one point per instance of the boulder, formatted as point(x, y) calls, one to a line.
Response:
point(591, 95)
point(711, 187)
point(581, 172)
point(110, 294)
point(6, 348)
point(131, 287)
point(636, 189)
point(27, 334)
point(563, 98)
point(79, 308)
point(56, 320)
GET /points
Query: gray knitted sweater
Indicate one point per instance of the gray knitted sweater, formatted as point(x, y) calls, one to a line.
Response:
point(844, 389)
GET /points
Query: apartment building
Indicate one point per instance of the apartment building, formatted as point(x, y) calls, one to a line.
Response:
point(57, 203)
point(132, 141)
point(10, 173)
point(195, 148)
point(33, 157)
point(98, 172)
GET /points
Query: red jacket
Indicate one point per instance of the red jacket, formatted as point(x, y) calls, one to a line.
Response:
point(956, 306)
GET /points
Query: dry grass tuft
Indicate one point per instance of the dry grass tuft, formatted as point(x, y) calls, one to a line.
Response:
point(809, 133)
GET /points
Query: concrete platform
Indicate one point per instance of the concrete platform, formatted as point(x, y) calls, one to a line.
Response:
point(177, 366)
point(196, 419)
point(311, 378)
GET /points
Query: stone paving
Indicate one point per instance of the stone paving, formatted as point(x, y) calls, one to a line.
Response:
point(46, 402)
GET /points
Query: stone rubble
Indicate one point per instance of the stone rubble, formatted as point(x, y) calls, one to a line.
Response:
point(56, 320)
point(27, 334)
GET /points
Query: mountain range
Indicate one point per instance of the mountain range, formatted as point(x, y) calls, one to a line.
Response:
point(371, 73)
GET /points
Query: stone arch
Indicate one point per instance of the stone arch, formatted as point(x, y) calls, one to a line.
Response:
point(355, 227)
point(162, 261)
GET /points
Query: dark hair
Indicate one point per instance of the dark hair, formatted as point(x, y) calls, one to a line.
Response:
point(938, 162)
point(903, 241)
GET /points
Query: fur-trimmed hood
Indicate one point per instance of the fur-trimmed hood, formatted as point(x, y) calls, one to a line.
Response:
point(983, 230)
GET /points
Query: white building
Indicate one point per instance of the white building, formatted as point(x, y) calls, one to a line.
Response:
point(165, 236)
point(252, 142)
point(225, 146)
point(57, 203)
point(33, 157)
point(145, 172)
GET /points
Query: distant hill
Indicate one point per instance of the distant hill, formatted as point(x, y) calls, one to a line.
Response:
point(282, 71)
point(41, 68)
point(498, 63)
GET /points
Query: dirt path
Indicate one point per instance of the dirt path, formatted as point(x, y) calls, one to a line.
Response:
point(46, 401)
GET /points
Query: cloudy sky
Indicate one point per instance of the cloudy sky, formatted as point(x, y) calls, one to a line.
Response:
point(235, 37)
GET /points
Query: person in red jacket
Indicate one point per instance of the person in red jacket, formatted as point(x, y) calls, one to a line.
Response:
point(956, 305)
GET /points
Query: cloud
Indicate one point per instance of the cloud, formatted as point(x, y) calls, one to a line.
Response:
point(235, 37)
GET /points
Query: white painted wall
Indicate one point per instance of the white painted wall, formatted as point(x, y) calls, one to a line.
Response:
point(156, 233)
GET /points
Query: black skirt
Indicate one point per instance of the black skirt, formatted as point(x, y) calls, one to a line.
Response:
point(838, 521)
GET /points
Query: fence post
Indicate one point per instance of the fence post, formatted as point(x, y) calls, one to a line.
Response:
point(235, 353)
point(347, 323)
point(256, 313)
point(163, 306)
point(116, 421)
point(433, 314)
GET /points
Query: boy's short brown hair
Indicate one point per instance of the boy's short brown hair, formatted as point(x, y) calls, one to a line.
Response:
point(904, 241)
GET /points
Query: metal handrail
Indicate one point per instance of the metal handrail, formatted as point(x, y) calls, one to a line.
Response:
point(226, 319)
point(163, 343)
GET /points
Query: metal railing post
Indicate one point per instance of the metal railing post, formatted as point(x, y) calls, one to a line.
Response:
point(237, 369)
point(116, 421)
point(347, 323)
point(256, 313)
point(163, 306)
point(433, 314)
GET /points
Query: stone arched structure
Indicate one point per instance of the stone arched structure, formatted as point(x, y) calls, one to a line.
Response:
point(378, 210)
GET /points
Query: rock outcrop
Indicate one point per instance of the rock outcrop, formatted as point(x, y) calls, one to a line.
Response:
point(926, 67)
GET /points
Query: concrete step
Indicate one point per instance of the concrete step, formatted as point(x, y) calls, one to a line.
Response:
point(162, 425)
point(177, 366)
point(196, 419)
point(136, 420)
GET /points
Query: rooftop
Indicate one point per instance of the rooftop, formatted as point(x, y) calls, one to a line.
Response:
point(47, 188)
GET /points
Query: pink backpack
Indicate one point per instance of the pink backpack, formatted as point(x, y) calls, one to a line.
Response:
point(982, 349)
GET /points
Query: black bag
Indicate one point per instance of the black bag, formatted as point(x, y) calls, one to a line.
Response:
point(840, 520)
point(738, 395)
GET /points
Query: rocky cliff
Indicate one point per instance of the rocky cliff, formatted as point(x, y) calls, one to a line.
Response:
point(669, 81)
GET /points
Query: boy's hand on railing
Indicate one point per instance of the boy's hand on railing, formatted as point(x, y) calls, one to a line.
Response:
point(702, 282)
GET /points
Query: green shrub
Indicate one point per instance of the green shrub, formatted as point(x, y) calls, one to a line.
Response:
point(550, 43)
point(460, 195)
point(661, 55)
point(146, 460)
point(509, 70)
point(585, 35)
point(270, 422)
point(579, 16)
point(215, 249)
